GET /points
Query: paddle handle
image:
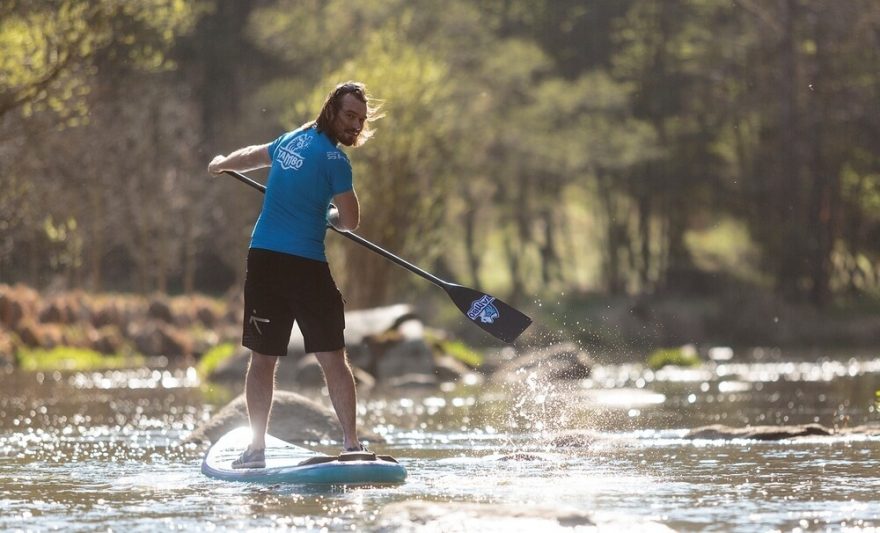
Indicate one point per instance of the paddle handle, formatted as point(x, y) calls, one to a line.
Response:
point(246, 180)
point(393, 258)
point(358, 239)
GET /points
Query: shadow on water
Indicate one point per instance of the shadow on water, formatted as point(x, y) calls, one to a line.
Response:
point(100, 450)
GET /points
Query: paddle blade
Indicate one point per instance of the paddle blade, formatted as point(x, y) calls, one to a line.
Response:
point(496, 317)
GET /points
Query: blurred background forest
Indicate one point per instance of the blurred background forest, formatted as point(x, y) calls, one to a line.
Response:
point(553, 152)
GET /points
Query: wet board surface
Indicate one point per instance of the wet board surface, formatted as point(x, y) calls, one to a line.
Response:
point(284, 464)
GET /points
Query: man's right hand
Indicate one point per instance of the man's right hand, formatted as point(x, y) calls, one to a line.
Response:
point(349, 211)
point(214, 167)
point(333, 216)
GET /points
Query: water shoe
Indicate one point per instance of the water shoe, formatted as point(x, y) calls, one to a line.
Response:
point(251, 459)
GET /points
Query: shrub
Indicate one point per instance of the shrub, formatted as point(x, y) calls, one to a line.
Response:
point(462, 352)
point(683, 356)
point(69, 358)
point(213, 357)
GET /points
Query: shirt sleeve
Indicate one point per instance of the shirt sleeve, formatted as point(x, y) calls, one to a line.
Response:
point(273, 147)
point(340, 174)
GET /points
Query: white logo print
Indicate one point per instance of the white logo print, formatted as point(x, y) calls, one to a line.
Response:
point(289, 155)
point(484, 310)
point(256, 321)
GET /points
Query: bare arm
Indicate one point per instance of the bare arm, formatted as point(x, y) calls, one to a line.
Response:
point(243, 159)
point(349, 211)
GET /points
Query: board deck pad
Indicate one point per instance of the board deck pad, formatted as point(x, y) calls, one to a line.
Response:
point(288, 463)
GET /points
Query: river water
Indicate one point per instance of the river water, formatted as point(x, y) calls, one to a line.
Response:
point(98, 451)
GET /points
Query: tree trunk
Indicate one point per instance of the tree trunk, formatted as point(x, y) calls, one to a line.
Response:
point(791, 264)
point(825, 193)
point(470, 246)
point(614, 236)
point(644, 215)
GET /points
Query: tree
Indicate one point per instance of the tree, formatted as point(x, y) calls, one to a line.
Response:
point(53, 56)
point(811, 107)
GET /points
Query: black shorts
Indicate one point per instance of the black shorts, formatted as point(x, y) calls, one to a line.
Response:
point(281, 289)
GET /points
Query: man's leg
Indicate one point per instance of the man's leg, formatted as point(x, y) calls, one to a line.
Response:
point(259, 387)
point(340, 383)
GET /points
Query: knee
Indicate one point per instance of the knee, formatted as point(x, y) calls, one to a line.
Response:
point(331, 361)
point(263, 363)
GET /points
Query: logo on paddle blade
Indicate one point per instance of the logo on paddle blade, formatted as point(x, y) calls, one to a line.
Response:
point(484, 310)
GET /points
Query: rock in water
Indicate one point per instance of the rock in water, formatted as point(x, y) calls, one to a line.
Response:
point(721, 432)
point(295, 418)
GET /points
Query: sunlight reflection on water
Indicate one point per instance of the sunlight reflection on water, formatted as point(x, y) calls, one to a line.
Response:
point(99, 450)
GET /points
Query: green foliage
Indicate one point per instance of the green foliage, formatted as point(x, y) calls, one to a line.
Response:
point(530, 146)
point(214, 357)
point(725, 246)
point(462, 352)
point(49, 49)
point(861, 186)
point(67, 243)
point(69, 358)
point(401, 179)
point(684, 356)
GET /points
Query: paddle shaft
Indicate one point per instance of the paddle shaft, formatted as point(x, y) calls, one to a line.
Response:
point(358, 239)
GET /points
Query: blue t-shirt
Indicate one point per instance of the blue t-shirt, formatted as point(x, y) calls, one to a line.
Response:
point(307, 172)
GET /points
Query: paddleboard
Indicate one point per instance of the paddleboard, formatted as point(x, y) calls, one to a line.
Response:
point(288, 463)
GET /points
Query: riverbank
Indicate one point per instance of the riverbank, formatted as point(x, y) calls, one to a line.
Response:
point(109, 325)
point(104, 326)
point(631, 327)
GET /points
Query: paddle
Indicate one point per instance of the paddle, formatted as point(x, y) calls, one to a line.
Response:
point(497, 318)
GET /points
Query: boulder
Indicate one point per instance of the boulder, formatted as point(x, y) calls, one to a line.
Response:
point(518, 457)
point(361, 330)
point(159, 338)
point(159, 309)
point(449, 369)
point(294, 418)
point(721, 432)
point(206, 314)
point(574, 439)
point(16, 303)
point(397, 352)
point(306, 372)
point(57, 311)
point(409, 356)
point(557, 362)
point(412, 381)
point(119, 312)
point(364, 380)
point(7, 349)
point(37, 335)
point(107, 340)
point(871, 430)
point(232, 369)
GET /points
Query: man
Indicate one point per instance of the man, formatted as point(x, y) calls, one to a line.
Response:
point(288, 279)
